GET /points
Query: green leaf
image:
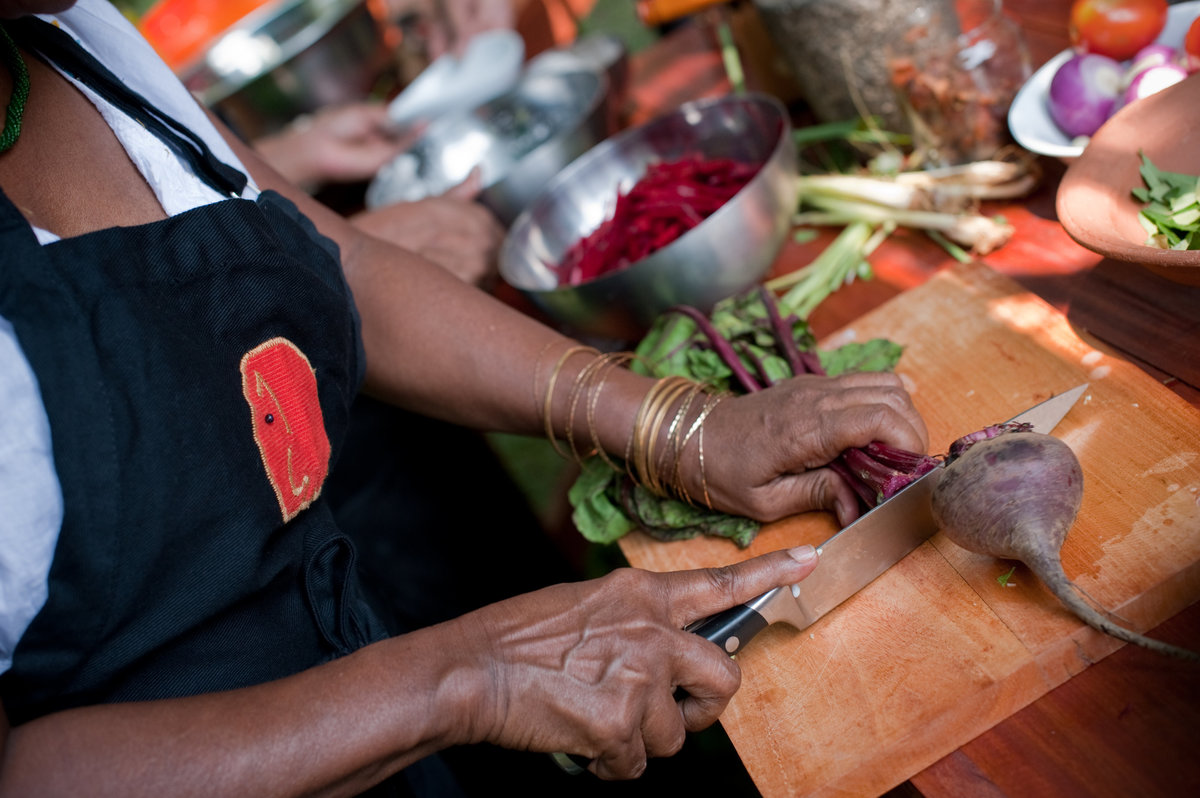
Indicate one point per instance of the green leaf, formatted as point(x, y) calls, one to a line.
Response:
point(1170, 212)
point(596, 516)
point(875, 355)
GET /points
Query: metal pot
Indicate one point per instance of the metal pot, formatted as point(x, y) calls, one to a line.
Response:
point(727, 252)
point(288, 58)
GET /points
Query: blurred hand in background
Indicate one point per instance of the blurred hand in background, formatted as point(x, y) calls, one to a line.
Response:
point(339, 144)
point(452, 230)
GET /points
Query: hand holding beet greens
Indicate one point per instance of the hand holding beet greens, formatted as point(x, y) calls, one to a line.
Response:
point(747, 343)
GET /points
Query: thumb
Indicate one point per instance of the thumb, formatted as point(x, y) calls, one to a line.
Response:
point(469, 188)
point(818, 489)
point(700, 593)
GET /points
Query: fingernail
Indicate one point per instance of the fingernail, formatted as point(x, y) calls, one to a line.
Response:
point(803, 554)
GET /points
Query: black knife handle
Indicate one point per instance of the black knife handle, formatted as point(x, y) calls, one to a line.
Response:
point(730, 629)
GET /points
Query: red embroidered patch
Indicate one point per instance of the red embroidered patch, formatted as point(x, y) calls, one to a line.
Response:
point(281, 388)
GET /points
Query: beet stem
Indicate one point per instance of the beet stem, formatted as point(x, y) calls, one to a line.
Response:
point(783, 333)
point(721, 346)
point(1050, 571)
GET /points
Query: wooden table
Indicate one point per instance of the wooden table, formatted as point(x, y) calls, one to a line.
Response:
point(1123, 726)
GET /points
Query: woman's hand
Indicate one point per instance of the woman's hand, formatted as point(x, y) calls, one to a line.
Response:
point(764, 452)
point(338, 144)
point(591, 668)
point(451, 230)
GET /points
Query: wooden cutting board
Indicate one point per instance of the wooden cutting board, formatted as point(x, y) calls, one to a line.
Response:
point(937, 651)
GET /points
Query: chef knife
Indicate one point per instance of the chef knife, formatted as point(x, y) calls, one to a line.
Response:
point(850, 560)
point(855, 556)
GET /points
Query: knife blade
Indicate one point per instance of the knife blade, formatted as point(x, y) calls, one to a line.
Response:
point(850, 560)
point(859, 553)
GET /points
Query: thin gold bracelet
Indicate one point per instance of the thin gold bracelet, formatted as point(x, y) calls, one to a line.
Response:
point(655, 407)
point(584, 382)
point(676, 441)
point(633, 451)
point(614, 360)
point(548, 401)
point(709, 407)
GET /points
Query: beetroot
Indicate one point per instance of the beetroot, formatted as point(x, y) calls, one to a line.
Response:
point(1015, 496)
point(670, 199)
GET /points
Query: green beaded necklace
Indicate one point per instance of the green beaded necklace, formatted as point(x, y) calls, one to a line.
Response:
point(15, 112)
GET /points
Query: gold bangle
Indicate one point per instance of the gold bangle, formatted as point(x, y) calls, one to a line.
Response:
point(634, 448)
point(548, 401)
point(651, 415)
point(697, 426)
point(653, 476)
point(716, 400)
point(614, 359)
point(676, 441)
point(633, 451)
point(583, 384)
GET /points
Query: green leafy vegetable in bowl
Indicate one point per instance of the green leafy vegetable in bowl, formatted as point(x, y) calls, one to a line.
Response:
point(1171, 214)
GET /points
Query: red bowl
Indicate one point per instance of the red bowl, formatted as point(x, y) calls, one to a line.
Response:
point(1094, 200)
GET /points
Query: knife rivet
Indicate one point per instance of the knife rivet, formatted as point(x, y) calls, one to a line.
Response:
point(732, 643)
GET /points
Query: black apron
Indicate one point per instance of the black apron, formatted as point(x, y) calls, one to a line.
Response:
point(191, 559)
point(198, 375)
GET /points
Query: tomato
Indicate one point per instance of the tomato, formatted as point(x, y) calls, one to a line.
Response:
point(1191, 43)
point(1116, 28)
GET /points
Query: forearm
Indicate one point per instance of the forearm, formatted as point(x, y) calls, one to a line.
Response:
point(443, 348)
point(331, 730)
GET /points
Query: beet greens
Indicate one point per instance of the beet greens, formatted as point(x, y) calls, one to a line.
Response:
point(747, 343)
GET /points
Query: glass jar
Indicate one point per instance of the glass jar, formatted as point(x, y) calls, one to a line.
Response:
point(955, 91)
point(835, 50)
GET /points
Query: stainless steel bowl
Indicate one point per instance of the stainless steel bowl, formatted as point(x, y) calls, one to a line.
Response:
point(727, 252)
point(519, 140)
point(288, 58)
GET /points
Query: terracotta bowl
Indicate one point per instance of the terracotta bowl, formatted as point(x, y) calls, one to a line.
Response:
point(1094, 202)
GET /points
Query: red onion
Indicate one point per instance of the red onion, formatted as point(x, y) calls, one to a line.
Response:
point(1083, 92)
point(1153, 79)
point(1151, 55)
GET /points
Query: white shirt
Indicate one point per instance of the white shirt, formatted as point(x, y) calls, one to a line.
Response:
point(31, 506)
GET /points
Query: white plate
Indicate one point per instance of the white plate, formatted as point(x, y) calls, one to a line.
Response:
point(1029, 118)
point(489, 67)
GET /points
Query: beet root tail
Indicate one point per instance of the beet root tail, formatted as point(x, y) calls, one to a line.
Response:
point(1051, 573)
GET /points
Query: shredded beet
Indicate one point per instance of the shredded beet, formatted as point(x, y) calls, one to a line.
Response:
point(670, 199)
